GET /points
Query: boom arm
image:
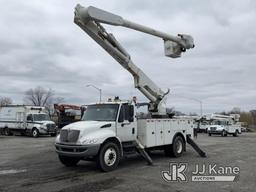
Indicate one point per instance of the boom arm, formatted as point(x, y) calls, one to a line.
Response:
point(89, 20)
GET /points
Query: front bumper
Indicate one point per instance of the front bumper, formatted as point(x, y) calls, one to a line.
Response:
point(47, 131)
point(81, 151)
point(215, 132)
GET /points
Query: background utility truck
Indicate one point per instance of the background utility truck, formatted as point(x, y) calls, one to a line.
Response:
point(224, 125)
point(26, 120)
point(109, 130)
point(68, 114)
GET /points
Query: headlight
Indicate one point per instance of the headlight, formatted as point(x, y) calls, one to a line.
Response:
point(43, 127)
point(90, 141)
point(57, 140)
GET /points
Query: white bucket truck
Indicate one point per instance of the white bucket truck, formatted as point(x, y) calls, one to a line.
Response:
point(225, 125)
point(26, 120)
point(109, 130)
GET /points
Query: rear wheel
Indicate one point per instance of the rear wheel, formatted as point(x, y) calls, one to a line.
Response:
point(224, 133)
point(68, 161)
point(235, 134)
point(53, 134)
point(209, 134)
point(35, 132)
point(108, 157)
point(7, 132)
point(177, 147)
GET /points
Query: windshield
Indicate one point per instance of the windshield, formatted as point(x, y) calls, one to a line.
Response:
point(41, 117)
point(218, 122)
point(101, 112)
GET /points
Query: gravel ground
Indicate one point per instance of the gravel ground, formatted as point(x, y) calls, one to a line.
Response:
point(29, 164)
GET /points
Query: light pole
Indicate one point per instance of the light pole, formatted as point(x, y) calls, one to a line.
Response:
point(201, 104)
point(197, 100)
point(91, 85)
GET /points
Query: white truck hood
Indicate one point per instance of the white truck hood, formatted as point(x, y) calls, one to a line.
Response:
point(45, 122)
point(86, 127)
point(218, 127)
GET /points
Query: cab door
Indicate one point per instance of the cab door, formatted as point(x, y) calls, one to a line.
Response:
point(29, 122)
point(126, 124)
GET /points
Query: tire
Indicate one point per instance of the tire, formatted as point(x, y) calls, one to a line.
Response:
point(7, 132)
point(53, 134)
point(68, 161)
point(177, 147)
point(108, 157)
point(223, 133)
point(35, 133)
point(235, 134)
point(210, 134)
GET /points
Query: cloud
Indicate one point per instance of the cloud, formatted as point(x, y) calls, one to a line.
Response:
point(40, 45)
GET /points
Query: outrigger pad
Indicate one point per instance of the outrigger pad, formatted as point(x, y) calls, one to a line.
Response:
point(196, 147)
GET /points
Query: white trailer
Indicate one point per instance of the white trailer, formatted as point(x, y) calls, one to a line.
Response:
point(26, 120)
point(109, 130)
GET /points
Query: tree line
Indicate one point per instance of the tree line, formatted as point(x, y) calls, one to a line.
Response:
point(38, 96)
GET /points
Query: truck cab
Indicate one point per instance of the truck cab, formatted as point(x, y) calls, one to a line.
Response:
point(40, 124)
point(102, 123)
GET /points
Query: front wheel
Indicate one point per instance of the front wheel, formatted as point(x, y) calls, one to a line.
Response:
point(235, 134)
point(68, 161)
point(224, 133)
point(35, 133)
point(108, 157)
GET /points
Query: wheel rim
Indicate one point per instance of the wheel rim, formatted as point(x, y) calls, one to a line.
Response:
point(179, 146)
point(110, 156)
point(34, 133)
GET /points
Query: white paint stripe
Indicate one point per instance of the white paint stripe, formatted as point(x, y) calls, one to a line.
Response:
point(12, 171)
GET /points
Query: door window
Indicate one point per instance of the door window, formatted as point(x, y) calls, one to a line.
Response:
point(29, 117)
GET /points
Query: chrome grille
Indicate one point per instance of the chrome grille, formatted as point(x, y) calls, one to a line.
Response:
point(213, 128)
point(50, 127)
point(69, 136)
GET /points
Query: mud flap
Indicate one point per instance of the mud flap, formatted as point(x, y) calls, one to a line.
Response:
point(196, 147)
point(140, 149)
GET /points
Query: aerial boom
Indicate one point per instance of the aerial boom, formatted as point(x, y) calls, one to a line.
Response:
point(89, 20)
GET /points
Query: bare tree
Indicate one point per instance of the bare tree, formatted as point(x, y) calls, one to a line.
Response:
point(5, 101)
point(40, 96)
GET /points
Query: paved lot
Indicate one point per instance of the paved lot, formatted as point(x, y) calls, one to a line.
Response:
point(28, 164)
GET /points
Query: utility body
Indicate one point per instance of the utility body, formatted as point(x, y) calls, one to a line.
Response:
point(26, 120)
point(110, 130)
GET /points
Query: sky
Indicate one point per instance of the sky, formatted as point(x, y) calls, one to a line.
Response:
point(41, 46)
